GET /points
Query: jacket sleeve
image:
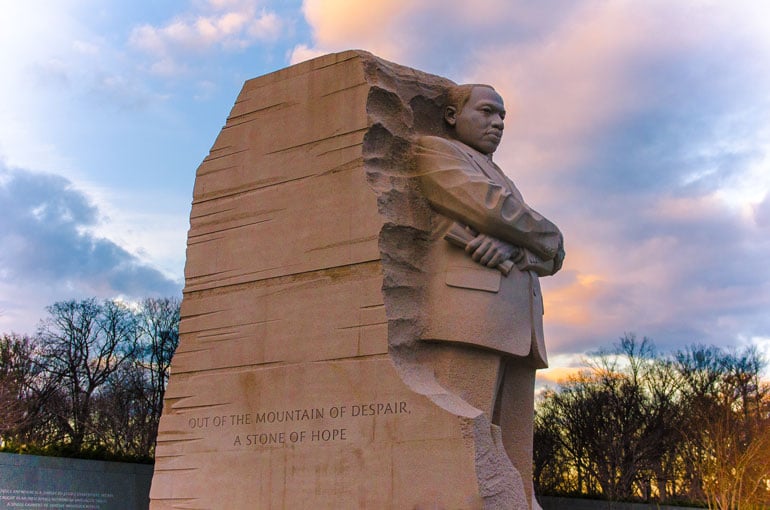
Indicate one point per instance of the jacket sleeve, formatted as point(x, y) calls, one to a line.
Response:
point(456, 189)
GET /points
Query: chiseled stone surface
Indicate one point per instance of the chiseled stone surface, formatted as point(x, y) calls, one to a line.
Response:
point(295, 384)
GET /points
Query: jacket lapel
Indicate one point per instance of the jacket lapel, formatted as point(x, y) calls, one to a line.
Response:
point(493, 172)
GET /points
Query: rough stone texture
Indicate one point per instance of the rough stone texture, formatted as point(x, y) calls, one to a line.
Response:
point(295, 384)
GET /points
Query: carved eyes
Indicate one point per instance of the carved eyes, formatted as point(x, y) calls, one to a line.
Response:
point(488, 110)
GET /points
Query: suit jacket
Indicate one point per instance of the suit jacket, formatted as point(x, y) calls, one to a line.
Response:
point(466, 302)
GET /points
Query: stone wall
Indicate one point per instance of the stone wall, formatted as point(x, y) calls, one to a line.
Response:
point(553, 503)
point(30, 481)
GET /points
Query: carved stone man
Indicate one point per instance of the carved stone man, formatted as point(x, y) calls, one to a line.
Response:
point(483, 321)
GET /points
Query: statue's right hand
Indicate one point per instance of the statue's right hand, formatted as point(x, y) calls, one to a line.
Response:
point(489, 251)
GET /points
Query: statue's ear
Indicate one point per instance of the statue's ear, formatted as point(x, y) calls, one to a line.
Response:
point(450, 115)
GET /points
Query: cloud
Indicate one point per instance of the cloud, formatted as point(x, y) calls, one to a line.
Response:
point(762, 213)
point(225, 25)
point(640, 128)
point(435, 35)
point(678, 270)
point(302, 52)
point(337, 22)
point(48, 246)
point(29, 45)
point(58, 70)
point(643, 132)
point(266, 27)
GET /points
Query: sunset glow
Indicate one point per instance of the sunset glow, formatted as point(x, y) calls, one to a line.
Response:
point(642, 129)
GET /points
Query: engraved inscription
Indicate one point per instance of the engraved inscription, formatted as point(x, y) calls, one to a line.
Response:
point(20, 498)
point(262, 423)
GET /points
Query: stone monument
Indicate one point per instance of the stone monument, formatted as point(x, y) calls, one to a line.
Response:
point(361, 315)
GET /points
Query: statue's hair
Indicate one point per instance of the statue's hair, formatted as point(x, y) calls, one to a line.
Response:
point(458, 95)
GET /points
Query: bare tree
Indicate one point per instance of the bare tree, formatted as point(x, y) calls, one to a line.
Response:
point(637, 425)
point(17, 375)
point(83, 343)
point(614, 422)
point(130, 404)
point(91, 381)
point(123, 422)
point(158, 323)
point(728, 435)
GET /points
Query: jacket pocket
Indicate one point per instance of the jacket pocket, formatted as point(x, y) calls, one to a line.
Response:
point(480, 278)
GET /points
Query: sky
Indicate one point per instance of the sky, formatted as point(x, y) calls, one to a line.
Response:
point(641, 128)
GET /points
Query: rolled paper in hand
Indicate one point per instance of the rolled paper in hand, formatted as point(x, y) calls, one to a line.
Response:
point(460, 235)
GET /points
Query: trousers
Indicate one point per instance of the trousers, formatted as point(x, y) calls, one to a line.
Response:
point(499, 385)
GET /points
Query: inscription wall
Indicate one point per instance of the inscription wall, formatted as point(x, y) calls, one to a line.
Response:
point(21, 498)
point(34, 482)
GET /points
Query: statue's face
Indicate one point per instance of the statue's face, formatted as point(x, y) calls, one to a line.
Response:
point(480, 123)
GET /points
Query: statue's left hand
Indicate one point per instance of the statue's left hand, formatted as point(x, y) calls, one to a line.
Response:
point(490, 251)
